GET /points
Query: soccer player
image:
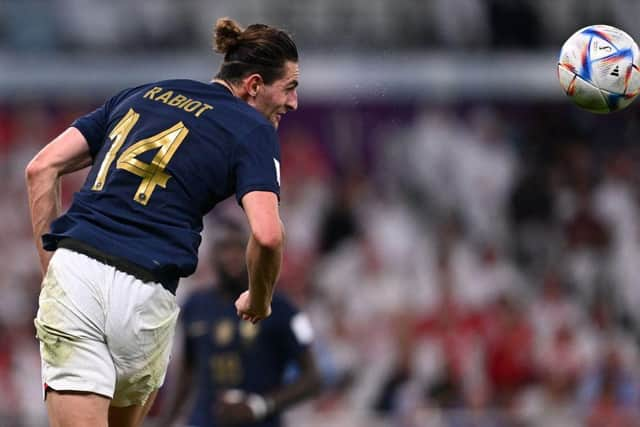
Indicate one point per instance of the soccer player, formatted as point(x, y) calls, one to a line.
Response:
point(162, 155)
point(234, 370)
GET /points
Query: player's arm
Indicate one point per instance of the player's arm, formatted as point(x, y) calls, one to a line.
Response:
point(306, 384)
point(238, 408)
point(264, 254)
point(67, 153)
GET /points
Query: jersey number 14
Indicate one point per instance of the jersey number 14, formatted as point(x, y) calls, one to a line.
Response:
point(153, 173)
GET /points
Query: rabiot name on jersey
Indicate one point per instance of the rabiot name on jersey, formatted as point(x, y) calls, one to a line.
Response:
point(177, 100)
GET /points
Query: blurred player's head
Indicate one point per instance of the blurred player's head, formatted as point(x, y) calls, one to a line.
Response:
point(261, 65)
point(228, 258)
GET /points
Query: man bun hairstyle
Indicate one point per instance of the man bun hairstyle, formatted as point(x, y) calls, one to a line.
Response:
point(259, 48)
point(227, 35)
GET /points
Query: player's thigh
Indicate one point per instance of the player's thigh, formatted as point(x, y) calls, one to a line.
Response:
point(140, 335)
point(130, 416)
point(77, 409)
point(69, 326)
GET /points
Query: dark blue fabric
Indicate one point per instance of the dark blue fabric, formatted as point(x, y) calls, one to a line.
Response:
point(229, 149)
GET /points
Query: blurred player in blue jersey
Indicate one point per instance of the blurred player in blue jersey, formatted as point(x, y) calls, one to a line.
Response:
point(162, 155)
point(233, 370)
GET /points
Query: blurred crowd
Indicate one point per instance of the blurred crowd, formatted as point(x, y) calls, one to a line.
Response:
point(463, 265)
point(28, 26)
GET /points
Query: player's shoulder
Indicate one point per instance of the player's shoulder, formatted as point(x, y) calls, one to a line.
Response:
point(283, 304)
point(245, 118)
point(160, 89)
point(287, 316)
point(232, 113)
point(180, 83)
point(155, 89)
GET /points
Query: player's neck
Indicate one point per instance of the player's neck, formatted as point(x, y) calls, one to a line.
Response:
point(227, 85)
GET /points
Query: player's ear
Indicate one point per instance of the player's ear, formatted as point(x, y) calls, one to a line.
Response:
point(252, 84)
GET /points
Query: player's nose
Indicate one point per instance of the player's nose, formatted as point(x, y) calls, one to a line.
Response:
point(292, 101)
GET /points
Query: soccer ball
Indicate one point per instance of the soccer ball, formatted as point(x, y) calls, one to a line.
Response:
point(598, 68)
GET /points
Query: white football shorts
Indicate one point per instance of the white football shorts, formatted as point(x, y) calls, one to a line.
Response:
point(103, 331)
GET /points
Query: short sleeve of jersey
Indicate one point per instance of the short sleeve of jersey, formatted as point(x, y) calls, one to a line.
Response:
point(299, 333)
point(93, 126)
point(257, 162)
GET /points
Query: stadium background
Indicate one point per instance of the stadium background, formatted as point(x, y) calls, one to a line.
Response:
point(465, 240)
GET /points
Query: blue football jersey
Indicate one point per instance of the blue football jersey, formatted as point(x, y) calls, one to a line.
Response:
point(228, 353)
point(163, 155)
